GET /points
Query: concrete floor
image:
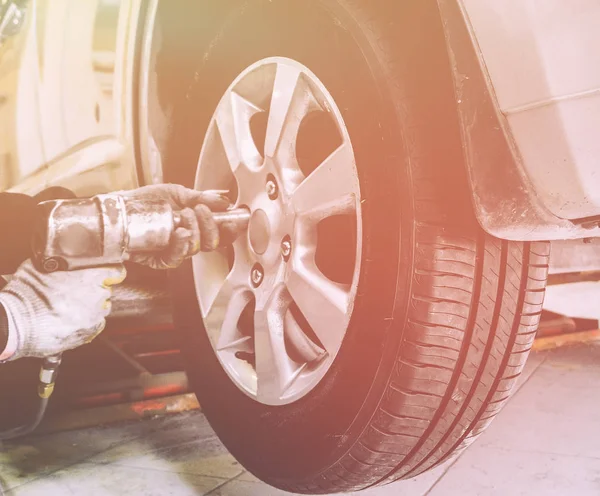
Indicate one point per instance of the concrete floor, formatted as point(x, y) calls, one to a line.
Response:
point(546, 442)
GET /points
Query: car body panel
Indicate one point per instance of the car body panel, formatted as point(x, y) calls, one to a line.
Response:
point(506, 197)
point(21, 146)
point(83, 72)
point(544, 68)
point(50, 46)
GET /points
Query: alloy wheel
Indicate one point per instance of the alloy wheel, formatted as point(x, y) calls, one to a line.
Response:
point(277, 305)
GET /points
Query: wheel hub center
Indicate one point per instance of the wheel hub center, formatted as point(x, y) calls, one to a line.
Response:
point(259, 230)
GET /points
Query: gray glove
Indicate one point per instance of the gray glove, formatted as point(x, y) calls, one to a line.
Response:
point(198, 230)
point(53, 313)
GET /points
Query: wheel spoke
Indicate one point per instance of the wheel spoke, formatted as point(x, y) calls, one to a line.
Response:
point(292, 100)
point(331, 189)
point(275, 370)
point(324, 303)
point(223, 315)
point(233, 122)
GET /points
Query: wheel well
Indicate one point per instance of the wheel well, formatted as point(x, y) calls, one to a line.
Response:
point(181, 27)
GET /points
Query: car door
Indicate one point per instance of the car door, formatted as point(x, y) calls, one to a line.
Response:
point(86, 61)
point(81, 43)
point(21, 145)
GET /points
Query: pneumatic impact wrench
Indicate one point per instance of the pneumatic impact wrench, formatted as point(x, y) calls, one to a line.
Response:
point(103, 230)
point(107, 229)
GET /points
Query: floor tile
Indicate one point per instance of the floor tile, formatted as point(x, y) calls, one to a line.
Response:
point(418, 486)
point(245, 488)
point(247, 477)
point(33, 457)
point(490, 471)
point(556, 411)
point(201, 457)
point(93, 480)
point(30, 458)
point(545, 442)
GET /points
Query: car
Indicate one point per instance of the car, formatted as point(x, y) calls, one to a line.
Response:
point(407, 164)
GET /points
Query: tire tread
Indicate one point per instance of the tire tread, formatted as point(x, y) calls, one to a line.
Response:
point(455, 369)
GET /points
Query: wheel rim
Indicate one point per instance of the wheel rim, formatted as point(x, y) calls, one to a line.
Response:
point(274, 314)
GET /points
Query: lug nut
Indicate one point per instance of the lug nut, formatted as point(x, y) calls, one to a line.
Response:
point(257, 275)
point(286, 248)
point(272, 189)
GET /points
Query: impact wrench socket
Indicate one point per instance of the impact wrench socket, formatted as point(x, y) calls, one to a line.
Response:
point(107, 229)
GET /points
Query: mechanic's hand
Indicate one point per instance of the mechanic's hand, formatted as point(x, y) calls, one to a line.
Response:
point(53, 313)
point(198, 230)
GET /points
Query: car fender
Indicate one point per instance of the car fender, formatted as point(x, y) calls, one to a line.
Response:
point(510, 201)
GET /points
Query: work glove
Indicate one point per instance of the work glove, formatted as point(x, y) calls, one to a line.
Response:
point(52, 313)
point(198, 230)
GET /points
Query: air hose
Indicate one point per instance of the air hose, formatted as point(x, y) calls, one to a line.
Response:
point(47, 379)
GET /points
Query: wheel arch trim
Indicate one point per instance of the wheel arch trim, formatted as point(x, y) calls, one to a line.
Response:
point(504, 198)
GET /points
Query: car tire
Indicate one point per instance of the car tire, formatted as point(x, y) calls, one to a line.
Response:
point(445, 315)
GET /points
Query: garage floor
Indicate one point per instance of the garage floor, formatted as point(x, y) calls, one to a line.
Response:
point(546, 442)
